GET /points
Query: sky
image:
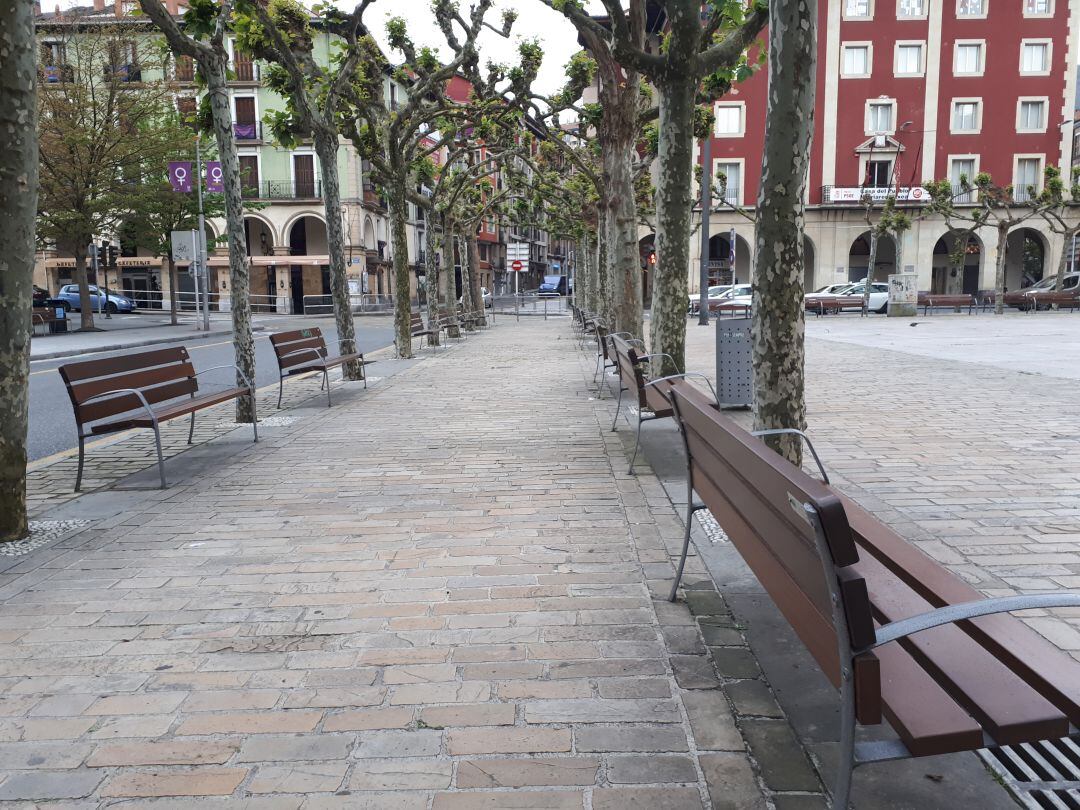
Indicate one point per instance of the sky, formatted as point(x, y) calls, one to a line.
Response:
point(556, 35)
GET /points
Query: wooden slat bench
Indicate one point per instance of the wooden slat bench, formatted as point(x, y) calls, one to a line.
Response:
point(652, 395)
point(900, 636)
point(931, 301)
point(141, 390)
point(304, 350)
point(418, 329)
point(1062, 299)
point(43, 316)
point(833, 303)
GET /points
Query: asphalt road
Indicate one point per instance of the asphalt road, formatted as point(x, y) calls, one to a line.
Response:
point(52, 426)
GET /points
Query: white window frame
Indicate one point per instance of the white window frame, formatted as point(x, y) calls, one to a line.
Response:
point(971, 180)
point(978, 102)
point(741, 107)
point(869, 47)
point(960, 15)
point(1049, 43)
point(1045, 101)
point(981, 67)
point(1039, 179)
point(740, 191)
point(852, 18)
point(865, 158)
point(248, 151)
point(884, 102)
point(1038, 15)
point(246, 92)
point(909, 43)
point(302, 150)
point(925, 8)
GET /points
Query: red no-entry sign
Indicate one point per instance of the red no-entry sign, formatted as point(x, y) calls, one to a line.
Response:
point(516, 266)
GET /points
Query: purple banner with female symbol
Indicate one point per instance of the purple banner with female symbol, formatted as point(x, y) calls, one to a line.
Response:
point(180, 175)
point(215, 183)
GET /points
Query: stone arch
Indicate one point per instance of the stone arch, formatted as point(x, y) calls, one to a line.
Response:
point(369, 234)
point(721, 270)
point(947, 277)
point(290, 224)
point(259, 235)
point(809, 264)
point(859, 258)
point(1027, 257)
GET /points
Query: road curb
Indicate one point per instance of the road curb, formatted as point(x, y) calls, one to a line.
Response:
point(150, 342)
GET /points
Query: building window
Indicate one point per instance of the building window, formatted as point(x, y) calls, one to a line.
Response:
point(1038, 8)
point(1031, 115)
point(962, 173)
point(911, 8)
point(732, 180)
point(909, 59)
point(729, 120)
point(879, 117)
point(858, 10)
point(968, 59)
point(878, 173)
point(1028, 178)
point(1035, 57)
point(971, 8)
point(965, 116)
point(856, 62)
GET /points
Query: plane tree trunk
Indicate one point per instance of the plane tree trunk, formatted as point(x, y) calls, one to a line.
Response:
point(778, 312)
point(18, 208)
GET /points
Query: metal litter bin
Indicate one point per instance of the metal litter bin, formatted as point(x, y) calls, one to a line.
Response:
point(734, 362)
point(60, 324)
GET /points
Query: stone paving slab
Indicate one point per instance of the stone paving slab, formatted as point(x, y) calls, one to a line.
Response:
point(441, 593)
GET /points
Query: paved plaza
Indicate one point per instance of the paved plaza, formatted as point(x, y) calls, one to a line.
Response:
point(446, 592)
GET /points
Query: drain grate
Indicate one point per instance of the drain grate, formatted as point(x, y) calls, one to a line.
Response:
point(1043, 776)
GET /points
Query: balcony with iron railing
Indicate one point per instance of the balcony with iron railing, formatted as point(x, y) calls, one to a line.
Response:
point(56, 74)
point(248, 131)
point(245, 70)
point(122, 73)
point(283, 190)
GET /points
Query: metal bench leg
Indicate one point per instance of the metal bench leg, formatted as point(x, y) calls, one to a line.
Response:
point(160, 456)
point(280, 389)
point(637, 444)
point(326, 382)
point(254, 417)
point(691, 507)
point(618, 405)
point(82, 452)
point(191, 430)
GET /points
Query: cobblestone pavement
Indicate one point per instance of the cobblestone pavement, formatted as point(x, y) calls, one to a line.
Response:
point(438, 594)
point(957, 441)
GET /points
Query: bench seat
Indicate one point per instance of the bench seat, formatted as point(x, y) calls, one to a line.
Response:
point(170, 411)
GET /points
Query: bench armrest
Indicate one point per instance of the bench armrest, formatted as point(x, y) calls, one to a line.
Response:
point(970, 610)
point(657, 354)
point(805, 438)
point(308, 350)
point(683, 376)
point(240, 371)
point(135, 391)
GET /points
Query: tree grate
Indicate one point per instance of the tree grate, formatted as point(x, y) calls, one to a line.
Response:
point(1042, 776)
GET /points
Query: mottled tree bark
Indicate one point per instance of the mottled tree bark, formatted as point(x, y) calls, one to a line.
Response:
point(466, 280)
point(602, 290)
point(673, 206)
point(80, 276)
point(326, 147)
point(214, 71)
point(875, 240)
point(400, 242)
point(999, 268)
point(172, 290)
point(213, 62)
point(778, 316)
point(18, 208)
point(431, 276)
point(477, 302)
point(449, 288)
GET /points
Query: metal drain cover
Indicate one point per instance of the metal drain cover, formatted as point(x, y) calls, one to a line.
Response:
point(1041, 775)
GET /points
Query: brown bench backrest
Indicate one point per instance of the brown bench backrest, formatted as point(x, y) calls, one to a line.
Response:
point(751, 491)
point(630, 368)
point(159, 375)
point(298, 347)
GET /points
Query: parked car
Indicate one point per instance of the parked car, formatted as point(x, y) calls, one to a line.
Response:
point(485, 293)
point(69, 294)
point(1025, 297)
point(829, 290)
point(41, 297)
point(879, 295)
point(740, 295)
point(553, 285)
point(714, 296)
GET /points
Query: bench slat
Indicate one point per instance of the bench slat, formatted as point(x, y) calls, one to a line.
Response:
point(1051, 672)
point(172, 410)
point(114, 406)
point(998, 698)
point(88, 369)
point(143, 379)
point(925, 718)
